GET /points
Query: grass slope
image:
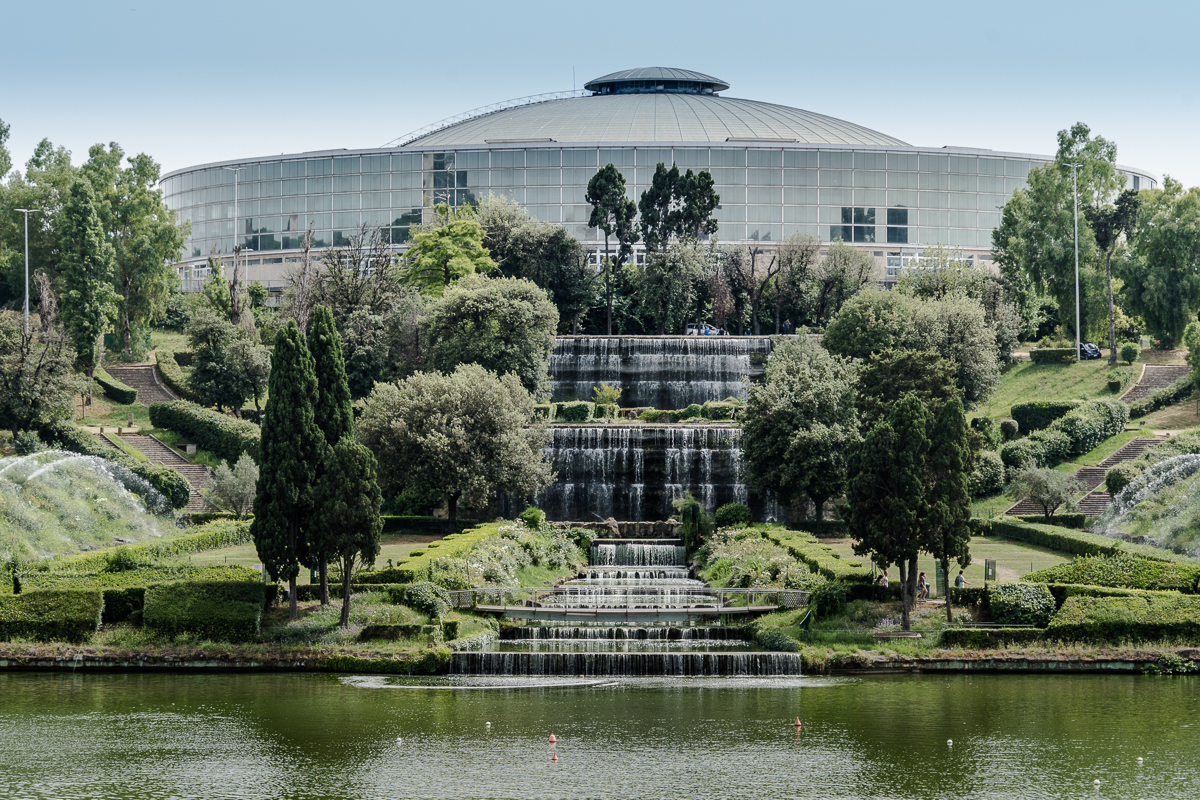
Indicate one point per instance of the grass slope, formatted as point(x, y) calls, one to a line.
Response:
point(1013, 559)
point(1027, 381)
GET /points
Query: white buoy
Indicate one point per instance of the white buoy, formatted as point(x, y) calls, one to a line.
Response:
point(1139, 759)
point(398, 740)
point(487, 724)
point(1096, 782)
point(950, 742)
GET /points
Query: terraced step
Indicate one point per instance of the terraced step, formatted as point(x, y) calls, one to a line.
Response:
point(159, 453)
point(144, 379)
point(1090, 477)
point(1096, 501)
point(1154, 377)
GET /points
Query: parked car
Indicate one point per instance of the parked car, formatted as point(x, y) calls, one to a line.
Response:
point(1088, 351)
point(705, 330)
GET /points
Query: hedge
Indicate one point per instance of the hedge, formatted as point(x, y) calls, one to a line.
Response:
point(70, 615)
point(416, 566)
point(1021, 604)
point(575, 411)
point(1066, 540)
point(219, 611)
point(1119, 619)
point(722, 410)
point(173, 377)
point(820, 558)
point(114, 389)
point(1121, 571)
point(1063, 519)
point(1177, 392)
point(969, 596)
point(213, 536)
point(1053, 355)
point(1061, 591)
point(169, 483)
point(183, 358)
point(1038, 414)
point(1073, 434)
point(984, 638)
point(546, 411)
point(434, 525)
point(393, 591)
point(224, 436)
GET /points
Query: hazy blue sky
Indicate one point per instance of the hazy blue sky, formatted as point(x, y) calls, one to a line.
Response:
point(190, 83)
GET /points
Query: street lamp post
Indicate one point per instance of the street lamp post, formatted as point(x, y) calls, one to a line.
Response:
point(27, 212)
point(1075, 193)
point(236, 247)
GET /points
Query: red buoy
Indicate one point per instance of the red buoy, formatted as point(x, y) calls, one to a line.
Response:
point(554, 756)
point(796, 724)
point(552, 739)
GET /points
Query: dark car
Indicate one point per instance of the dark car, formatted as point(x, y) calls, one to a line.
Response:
point(1088, 351)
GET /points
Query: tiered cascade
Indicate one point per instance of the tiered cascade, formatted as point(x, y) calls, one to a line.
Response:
point(629, 577)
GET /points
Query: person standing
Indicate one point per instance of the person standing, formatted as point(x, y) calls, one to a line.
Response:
point(922, 587)
point(787, 327)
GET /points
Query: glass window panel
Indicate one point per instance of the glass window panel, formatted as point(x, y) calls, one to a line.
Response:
point(966, 165)
point(627, 174)
point(837, 159)
point(690, 157)
point(963, 219)
point(517, 195)
point(406, 162)
point(934, 163)
point(579, 158)
point(902, 162)
point(930, 217)
point(870, 197)
point(800, 158)
point(346, 183)
point(764, 158)
point(249, 242)
point(731, 232)
point(964, 201)
point(318, 185)
point(543, 177)
point(543, 195)
point(800, 197)
point(760, 232)
point(805, 230)
point(864, 234)
point(764, 177)
point(320, 202)
point(899, 198)
point(411, 216)
point(545, 213)
point(843, 232)
point(989, 184)
point(760, 195)
point(477, 159)
point(730, 213)
point(837, 197)
point(864, 216)
point(869, 179)
point(318, 167)
point(574, 194)
point(292, 205)
point(293, 241)
point(376, 219)
point(729, 177)
point(543, 158)
point(376, 200)
point(800, 214)
point(799, 177)
point(472, 178)
point(764, 213)
point(321, 221)
point(346, 166)
point(933, 200)
point(376, 164)
point(933, 236)
point(577, 213)
point(902, 180)
point(247, 208)
point(897, 216)
point(1012, 184)
point(577, 177)
point(618, 158)
point(836, 177)
point(963, 183)
point(934, 181)
point(991, 166)
point(373, 182)
point(732, 194)
point(897, 235)
point(728, 157)
point(268, 241)
point(652, 157)
point(870, 160)
point(961, 238)
point(1016, 169)
point(833, 214)
point(411, 197)
point(407, 180)
point(270, 188)
point(508, 158)
point(345, 219)
point(989, 220)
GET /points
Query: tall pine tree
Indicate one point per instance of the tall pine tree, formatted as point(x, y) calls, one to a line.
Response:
point(291, 451)
point(949, 467)
point(334, 410)
point(85, 269)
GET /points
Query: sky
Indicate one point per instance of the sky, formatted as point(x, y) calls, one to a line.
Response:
point(191, 83)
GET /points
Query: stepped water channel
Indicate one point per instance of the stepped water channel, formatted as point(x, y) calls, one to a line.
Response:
point(636, 610)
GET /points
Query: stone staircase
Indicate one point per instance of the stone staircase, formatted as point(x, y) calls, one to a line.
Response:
point(1154, 377)
point(1096, 501)
point(160, 453)
point(145, 380)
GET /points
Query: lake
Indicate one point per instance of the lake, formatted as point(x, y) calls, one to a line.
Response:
point(141, 736)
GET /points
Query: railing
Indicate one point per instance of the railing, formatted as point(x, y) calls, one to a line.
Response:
point(483, 111)
point(627, 597)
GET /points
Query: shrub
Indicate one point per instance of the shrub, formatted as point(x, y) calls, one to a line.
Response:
point(1053, 355)
point(987, 430)
point(533, 517)
point(169, 483)
point(27, 443)
point(223, 436)
point(1119, 476)
point(1046, 487)
point(1021, 454)
point(653, 415)
point(1168, 395)
point(1122, 571)
point(173, 377)
point(1130, 352)
point(120, 604)
point(53, 615)
point(733, 515)
point(723, 410)
point(988, 477)
point(183, 358)
point(691, 412)
point(829, 598)
point(820, 558)
point(1039, 414)
point(1119, 619)
point(1075, 433)
point(1008, 430)
point(982, 639)
point(776, 640)
point(1062, 591)
point(428, 598)
point(220, 611)
point(575, 411)
point(1021, 604)
point(1063, 519)
point(545, 411)
point(114, 389)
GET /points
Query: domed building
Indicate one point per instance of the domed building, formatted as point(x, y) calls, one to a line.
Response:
point(778, 170)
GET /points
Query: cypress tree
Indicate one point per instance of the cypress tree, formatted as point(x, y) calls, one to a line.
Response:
point(291, 449)
point(347, 523)
point(949, 470)
point(86, 267)
point(334, 410)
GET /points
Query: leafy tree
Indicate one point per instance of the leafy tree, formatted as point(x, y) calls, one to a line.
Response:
point(700, 200)
point(800, 423)
point(36, 377)
point(1109, 224)
point(383, 347)
point(363, 273)
point(506, 325)
point(86, 268)
point(1047, 487)
point(892, 374)
point(871, 322)
point(462, 434)
point(228, 366)
point(948, 473)
point(843, 272)
point(249, 367)
point(232, 490)
point(5, 156)
point(438, 257)
point(291, 449)
point(795, 283)
point(258, 294)
point(667, 284)
point(1191, 340)
point(750, 271)
point(677, 206)
point(613, 213)
point(1162, 279)
point(886, 497)
point(347, 524)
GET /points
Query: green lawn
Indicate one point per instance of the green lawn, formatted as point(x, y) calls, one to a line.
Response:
point(1013, 559)
point(1027, 381)
point(395, 547)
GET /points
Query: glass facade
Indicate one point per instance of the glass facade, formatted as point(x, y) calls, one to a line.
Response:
point(865, 195)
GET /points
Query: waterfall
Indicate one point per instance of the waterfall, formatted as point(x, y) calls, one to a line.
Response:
point(667, 553)
point(751, 664)
point(661, 371)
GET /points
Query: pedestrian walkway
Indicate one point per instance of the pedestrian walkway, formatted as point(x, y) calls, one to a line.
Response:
point(1153, 378)
point(159, 453)
point(1095, 500)
point(143, 378)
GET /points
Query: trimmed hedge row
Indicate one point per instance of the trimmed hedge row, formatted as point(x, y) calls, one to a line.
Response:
point(213, 610)
point(173, 377)
point(1066, 540)
point(416, 566)
point(114, 389)
point(1063, 519)
point(393, 591)
point(1038, 414)
point(820, 558)
point(169, 483)
point(1073, 434)
point(70, 615)
point(574, 411)
point(985, 638)
point(1061, 591)
point(1119, 619)
point(1177, 392)
point(224, 436)
point(213, 536)
point(1122, 571)
point(1053, 355)
point(1021, 604)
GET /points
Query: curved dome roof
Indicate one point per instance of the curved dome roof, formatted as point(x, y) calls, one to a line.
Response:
point(653, 117)
point(657, 74)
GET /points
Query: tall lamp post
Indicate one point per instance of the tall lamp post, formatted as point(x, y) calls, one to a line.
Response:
point(1075, 193)
point(27, 212)
point(236, 247)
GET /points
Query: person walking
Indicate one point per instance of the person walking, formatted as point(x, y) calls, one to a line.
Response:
point(922, 587)
point(960, 582)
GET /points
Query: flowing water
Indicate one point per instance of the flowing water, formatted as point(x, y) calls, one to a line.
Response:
point(304, 737)
point(668, 372)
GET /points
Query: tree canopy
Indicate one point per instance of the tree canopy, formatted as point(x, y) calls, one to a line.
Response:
point(85, 269)
point(613, 213)
point(347, 502)
point(441, 255)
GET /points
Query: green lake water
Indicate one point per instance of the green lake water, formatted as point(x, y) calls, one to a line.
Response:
point(313, 736)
